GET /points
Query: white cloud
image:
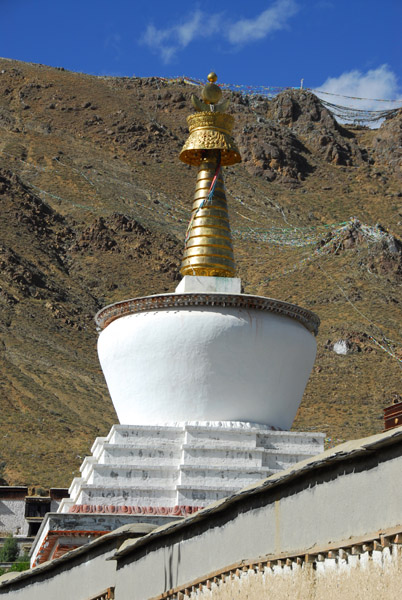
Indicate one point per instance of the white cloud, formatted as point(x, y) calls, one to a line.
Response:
point(376, 83)
point(167, 42)
point(380, 83)
point(270, 20)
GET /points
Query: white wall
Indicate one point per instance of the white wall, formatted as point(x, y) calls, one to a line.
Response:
point(12, 517)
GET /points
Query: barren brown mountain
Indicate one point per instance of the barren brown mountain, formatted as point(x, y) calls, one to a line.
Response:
point(94, 207)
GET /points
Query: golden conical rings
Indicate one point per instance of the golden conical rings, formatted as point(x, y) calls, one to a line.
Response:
point(208, 170)
point(208, 221)
point(216, 205)
point(205, 186)
point(206, 182)
point(210, 232)
point(208, 251)
point(208, 211)
point(203, 194)
point(208, 262)
point(204, 241)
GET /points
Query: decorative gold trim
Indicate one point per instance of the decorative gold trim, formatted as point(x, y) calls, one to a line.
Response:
point(211, 119)
point(239, 301)
point(207, 128)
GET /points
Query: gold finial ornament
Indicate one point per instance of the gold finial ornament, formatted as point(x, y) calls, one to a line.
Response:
point(210, 146)
point(211, 93)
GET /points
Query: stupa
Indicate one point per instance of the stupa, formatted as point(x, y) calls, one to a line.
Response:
point(206, 381)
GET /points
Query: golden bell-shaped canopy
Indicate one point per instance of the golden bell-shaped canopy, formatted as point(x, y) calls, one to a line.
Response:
point(210, 131)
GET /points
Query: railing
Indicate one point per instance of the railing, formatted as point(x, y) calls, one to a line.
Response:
point(353, 547)
point(105, 595)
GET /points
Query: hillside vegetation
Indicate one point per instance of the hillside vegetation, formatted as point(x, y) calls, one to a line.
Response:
point(94, 208)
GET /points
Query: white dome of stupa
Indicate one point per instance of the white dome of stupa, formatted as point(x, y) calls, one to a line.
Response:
point(208, 356)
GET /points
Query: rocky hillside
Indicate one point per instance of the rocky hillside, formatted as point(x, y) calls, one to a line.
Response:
point(94, 206)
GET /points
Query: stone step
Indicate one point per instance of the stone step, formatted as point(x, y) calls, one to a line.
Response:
point(75, 486)
point(235, 447)
point(158, 495)
point(223, 427)
point(144, 454)
point(202, 495)
point(131, 434)
point(228, 438)
point(146, 441)
point(221, 478)
point(207, 488)
point(121, 475)
point(229, 442)
point(288, 452)
point(214, 469)
point(222, 457)
point(224, 445)
point(291, 441)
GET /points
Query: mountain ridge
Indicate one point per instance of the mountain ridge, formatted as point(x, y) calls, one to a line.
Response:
point(95, 204)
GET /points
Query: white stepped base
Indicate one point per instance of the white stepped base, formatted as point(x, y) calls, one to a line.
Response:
point(188, 464)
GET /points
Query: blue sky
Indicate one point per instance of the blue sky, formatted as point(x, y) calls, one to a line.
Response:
point(351, 47)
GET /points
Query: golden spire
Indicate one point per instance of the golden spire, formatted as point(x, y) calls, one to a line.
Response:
point(208, 248)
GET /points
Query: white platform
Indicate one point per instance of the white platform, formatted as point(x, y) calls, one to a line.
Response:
point(184, 465)
point(206, 285)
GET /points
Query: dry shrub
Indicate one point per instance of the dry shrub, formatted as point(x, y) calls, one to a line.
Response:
point(364, 582)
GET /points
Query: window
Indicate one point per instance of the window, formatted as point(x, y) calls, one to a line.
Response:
point(36, 508)
point(33, 529)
